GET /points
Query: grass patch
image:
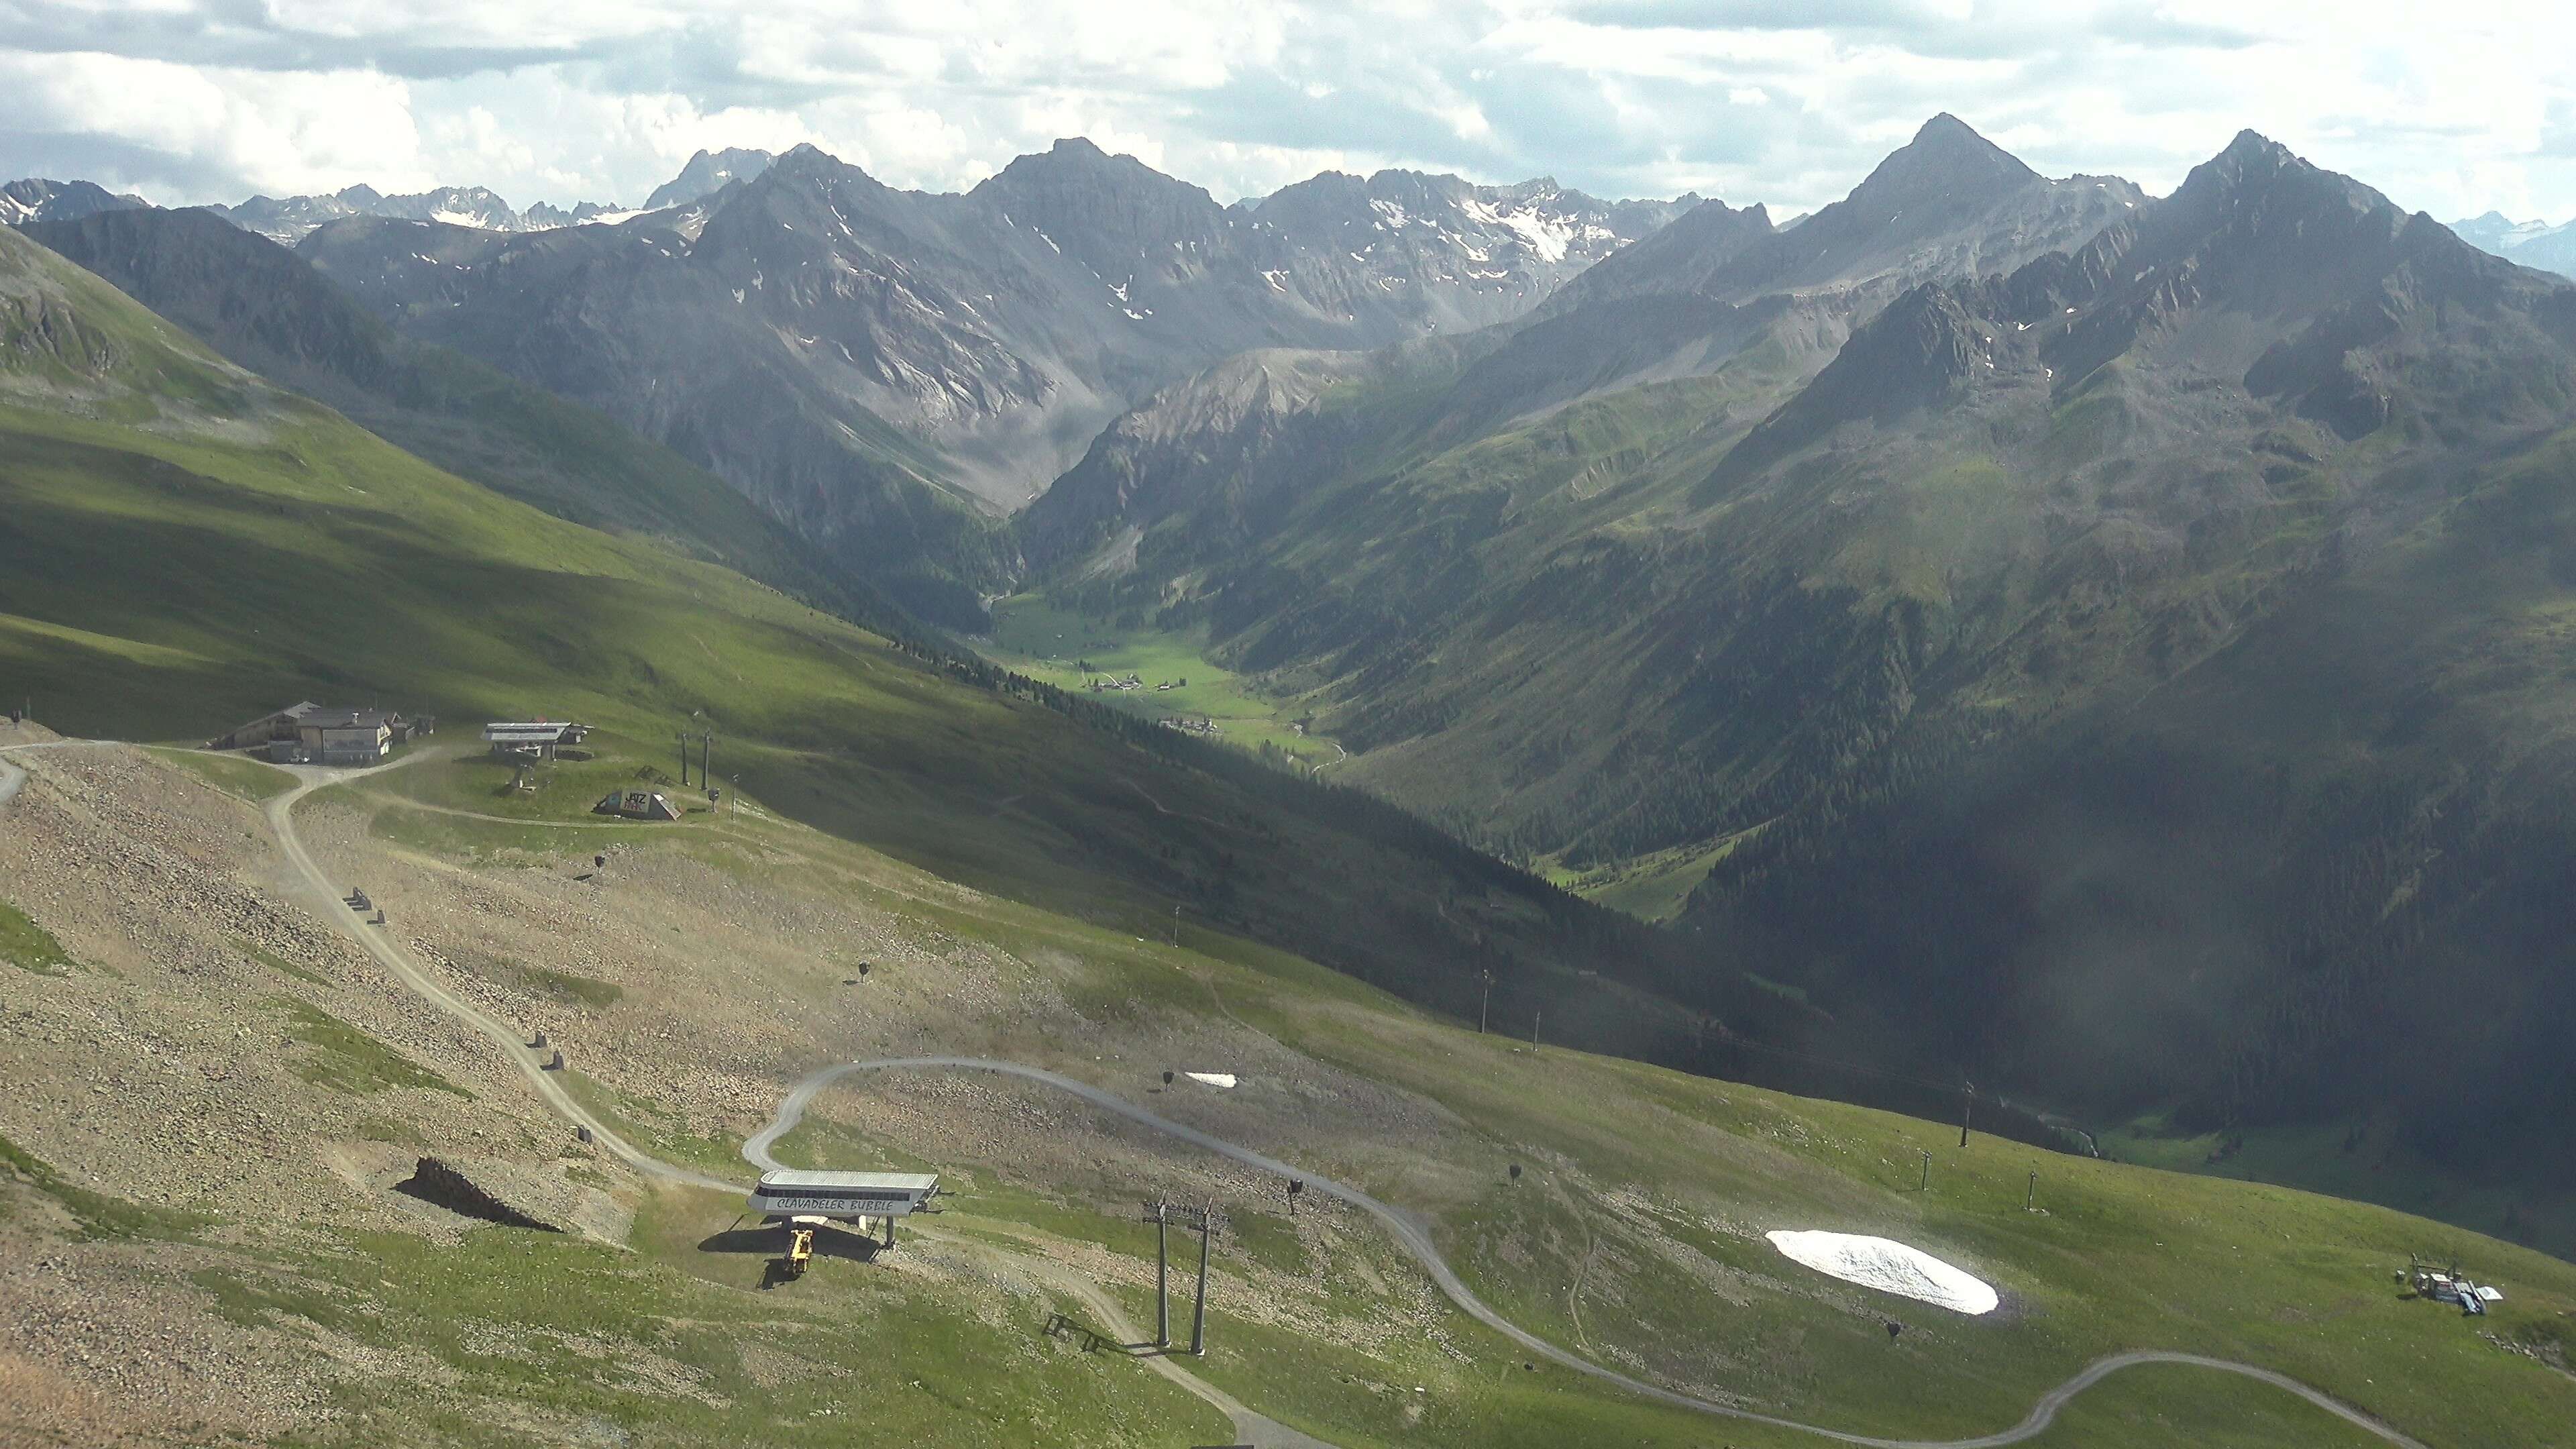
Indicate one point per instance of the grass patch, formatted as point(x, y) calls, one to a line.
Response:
point(1651, 887)
point(577, 990)
point(657, 1129)
point(346, 1059)
point(382, 1129)
point(1046, 641)
point(643, 1348)
point(476, 841)
point(99, 1215)
point(31, 947)
point(560, 986)
point(562, 791)
point(280, 964)
point(236, 775)
point(1268, 1240)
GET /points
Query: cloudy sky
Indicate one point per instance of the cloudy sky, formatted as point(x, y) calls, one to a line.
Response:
point(2452, 108)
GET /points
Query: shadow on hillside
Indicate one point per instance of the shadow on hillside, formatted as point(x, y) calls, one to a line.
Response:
point(1068, 1329)
point(770, 1240)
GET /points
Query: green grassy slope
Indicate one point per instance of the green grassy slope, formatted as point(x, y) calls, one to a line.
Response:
point(2137, 681)
point(295, 556)
point(268, 310)
point(1634, 1232)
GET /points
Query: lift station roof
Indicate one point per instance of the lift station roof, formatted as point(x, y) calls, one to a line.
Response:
point(795, 1191)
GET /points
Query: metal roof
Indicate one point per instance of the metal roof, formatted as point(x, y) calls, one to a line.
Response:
point(513, 733)
point(881, 1181)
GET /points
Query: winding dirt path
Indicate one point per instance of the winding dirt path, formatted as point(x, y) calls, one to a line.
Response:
point(1413, 1233)
point(1410, 1230)
point(322, 897)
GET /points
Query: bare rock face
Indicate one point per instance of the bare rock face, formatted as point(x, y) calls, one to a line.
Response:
point(518, 1195)
point(888, 372)
point(37, 199)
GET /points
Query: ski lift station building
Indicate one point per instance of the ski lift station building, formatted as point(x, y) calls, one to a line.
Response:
point(795, 1192)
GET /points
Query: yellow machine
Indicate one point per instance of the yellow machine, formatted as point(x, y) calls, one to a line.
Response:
point(800, 1248)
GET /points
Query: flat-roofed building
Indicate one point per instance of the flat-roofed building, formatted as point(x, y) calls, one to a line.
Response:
point(810, 1192)
point(346, 736)
point(532, 738)
point(860, 1197)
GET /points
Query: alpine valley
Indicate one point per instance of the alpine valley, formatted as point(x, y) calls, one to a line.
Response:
point(2116, 649)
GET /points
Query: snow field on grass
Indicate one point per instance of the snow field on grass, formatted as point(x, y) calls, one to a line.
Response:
point(1890, 1267)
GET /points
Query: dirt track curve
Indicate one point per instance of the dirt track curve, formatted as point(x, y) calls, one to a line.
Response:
point(1409, 1230)
point(1415, 1237)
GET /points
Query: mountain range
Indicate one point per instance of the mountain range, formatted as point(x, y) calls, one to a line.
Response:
point(2105, 645)
point(2099, 643)
point(892, 371)
point(2532, 243)
point(288, 220)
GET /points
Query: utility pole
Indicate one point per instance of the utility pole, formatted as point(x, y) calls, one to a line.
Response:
point(1176, 928)
point(1484, 1001)
point(706, 759)
point(1535, 1018)
point(1927, 1169)
point(1198, 1311)
point(1159, 1215)
point(1967, 1105)
point(684, 759)
point(2030, 1193)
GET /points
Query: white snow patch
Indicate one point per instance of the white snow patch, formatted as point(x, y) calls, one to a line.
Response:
point(1273, 279)
point(457, 218)
point(1545, 237)
point(1890, 1267)
point(1212, 1079)
point(1050, 241)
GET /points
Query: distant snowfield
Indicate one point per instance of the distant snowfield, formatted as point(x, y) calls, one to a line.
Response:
point(1890, 1267)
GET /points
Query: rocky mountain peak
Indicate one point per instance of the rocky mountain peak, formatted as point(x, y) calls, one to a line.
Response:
point(1946, 156)
point(707, 173)
point(2251, 160)
point(806, 159)
point(37, 199)
point(1075, 163)
point(2259, 196)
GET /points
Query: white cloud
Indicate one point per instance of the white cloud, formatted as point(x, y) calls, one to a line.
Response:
point(194, 100)
point(276, 130)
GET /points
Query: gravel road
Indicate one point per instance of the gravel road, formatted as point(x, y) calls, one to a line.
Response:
point(1414, 1235)
point(1409, 1230)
